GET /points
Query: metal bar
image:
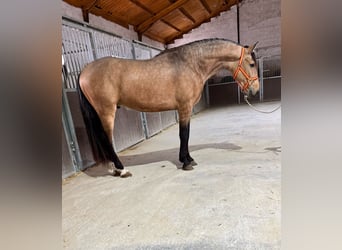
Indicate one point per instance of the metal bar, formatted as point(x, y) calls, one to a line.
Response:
point(76, 58)
point(207, 93)
point(65, 47)
point(261, 79)
point(144, 123)
point(76, 48)
point(272, 77)
point(89, 53)
point(71, 130)
point(221, 83)
point(69, 58)
point(92, 45)
point(68, 141)
point(64, 69)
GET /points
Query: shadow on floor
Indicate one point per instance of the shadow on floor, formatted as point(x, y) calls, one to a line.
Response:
point(170, 155)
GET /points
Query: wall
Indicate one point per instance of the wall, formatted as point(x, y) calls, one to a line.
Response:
point(223, 26)
point(259, 21)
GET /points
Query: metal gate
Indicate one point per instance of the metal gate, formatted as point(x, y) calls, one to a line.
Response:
point(70, 151)
point(270, 80)
point(82, 44)
point(224, 87)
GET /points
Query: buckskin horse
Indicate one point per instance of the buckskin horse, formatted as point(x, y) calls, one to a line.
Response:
point(173, 80)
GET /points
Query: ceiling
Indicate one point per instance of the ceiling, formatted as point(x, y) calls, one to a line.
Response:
point(160, 20)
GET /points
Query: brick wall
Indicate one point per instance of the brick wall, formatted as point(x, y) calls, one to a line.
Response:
point(259, 21)
point(71, 11)
point(223, 26)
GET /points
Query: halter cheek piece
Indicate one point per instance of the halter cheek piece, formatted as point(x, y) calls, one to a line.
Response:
point(239, 68)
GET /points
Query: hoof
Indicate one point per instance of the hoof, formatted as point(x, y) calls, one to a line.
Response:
point(187, 167)
point(125, 173)
point(116, 172)
point(193, 163)
point(122, 173)
point(189, 158)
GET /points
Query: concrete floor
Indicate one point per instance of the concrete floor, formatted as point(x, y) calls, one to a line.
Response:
point(231, 200)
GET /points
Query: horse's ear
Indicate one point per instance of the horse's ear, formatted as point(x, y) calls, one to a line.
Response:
point(251, 48)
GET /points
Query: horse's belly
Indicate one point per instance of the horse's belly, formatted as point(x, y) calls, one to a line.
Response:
point(148, 102)
point(152, 94)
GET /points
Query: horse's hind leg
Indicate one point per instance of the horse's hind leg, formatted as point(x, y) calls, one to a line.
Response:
point(107, 120)
point(184, 133)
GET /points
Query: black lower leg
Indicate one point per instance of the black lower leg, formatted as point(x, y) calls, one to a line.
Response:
point(184, 156)
point(119, 168)
point(116, 161)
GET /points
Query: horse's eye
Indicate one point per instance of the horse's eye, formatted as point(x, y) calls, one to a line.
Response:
point(252, 65)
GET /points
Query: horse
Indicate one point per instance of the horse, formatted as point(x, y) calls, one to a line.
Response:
point(172, 80)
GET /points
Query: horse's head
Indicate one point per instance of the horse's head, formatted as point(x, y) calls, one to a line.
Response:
point(246, 71)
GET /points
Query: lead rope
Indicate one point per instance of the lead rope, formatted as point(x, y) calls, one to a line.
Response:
point(261, 111)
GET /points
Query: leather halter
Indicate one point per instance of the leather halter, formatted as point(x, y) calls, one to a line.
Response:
point(239, 68)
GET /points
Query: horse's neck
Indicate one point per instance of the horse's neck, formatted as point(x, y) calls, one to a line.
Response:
point(218, 56)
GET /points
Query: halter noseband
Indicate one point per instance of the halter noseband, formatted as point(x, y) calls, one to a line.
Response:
point(249, 78)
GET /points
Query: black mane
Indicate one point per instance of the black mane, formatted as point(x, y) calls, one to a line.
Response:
point(183, 48)
point(198, 42)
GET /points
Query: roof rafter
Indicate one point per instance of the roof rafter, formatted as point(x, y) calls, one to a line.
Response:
point(206, 6)
point(186, 14)
point(162, 21)
point(149, 22)
point(142, 6)
point(86, 9)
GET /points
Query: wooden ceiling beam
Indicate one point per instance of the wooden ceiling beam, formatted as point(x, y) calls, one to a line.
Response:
point(142, 6)
point(187, 15)
point(171, 25)
point(86, 9)
point(206, 6)
point(149, 22)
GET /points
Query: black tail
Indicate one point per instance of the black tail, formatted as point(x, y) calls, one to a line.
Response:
point(101, 146)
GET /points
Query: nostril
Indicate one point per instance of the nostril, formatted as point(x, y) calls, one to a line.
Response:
point(250, 93)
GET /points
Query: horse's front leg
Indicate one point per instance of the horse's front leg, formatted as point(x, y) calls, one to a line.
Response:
point(184, 133)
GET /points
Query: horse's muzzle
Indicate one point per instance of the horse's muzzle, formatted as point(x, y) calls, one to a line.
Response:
point(251, 93)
